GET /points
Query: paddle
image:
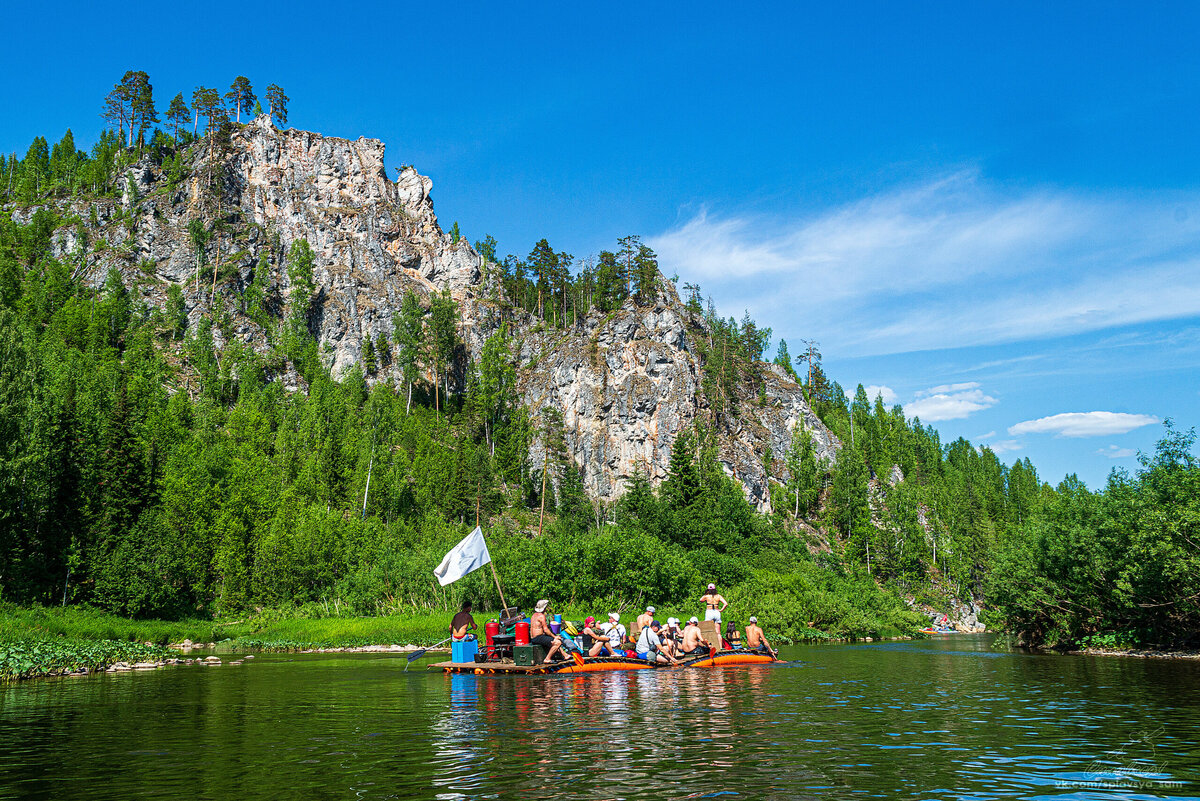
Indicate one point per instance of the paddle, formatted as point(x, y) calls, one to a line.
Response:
point(418, 654)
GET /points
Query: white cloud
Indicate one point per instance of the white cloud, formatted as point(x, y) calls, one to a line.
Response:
point(889, 394)
point(932, 405)
point(950, 263)
point(1117, 452)
point(945, 389)
point(988, 435)
point(1083, 424)
point(1005, 446)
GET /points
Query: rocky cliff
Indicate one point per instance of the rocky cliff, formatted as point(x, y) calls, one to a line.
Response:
point(627, 382)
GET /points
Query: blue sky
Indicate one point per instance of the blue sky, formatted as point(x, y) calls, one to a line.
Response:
point(988, 213)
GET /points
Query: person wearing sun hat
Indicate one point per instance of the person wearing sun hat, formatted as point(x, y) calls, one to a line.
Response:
point(540, 634)
point(594, 641)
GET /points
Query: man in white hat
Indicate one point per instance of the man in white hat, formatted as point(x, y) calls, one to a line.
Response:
point(540, 634)
point(615, 631)
point(714, 604)
point(693, 639)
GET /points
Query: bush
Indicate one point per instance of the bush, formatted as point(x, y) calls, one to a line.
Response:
point(721, 569)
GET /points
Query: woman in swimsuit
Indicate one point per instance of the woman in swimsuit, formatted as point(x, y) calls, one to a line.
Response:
point(714, 604)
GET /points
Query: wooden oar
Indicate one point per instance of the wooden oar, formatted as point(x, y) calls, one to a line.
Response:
point(418, 654)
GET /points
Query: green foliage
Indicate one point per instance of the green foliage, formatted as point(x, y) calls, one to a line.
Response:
point(790, 604)
point(1117, 567)
point(277, 101)
point(27, 659)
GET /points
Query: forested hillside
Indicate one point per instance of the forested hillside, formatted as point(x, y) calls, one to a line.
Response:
point(180, 441)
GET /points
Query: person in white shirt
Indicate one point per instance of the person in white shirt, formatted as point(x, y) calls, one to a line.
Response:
point(615, 631)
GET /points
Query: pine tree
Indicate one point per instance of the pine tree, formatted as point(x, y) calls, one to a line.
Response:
point(682, 487)
point(177, 114)
point(409, 327)
point(277, 101)
point(143, 109)
point(368, 355)
point(784, 359)
point(176, 312)
point(302, 287)
point(610, 282)
point(645, 271)
point(542, 261)
point(443, 338)
point(241, 97)
point(487, 248)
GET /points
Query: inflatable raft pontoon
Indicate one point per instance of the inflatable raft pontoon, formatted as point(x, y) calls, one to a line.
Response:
point(603, 664)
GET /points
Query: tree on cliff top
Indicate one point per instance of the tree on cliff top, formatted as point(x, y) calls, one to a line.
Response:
point(277, 104)
point(177, 114)
point(241, 97)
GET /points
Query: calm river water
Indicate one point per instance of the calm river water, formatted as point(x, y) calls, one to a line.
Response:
point(947, 718)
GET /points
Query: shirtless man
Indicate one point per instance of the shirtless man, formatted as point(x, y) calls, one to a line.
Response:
point(756, 640)
point(693, 639)
point(644, 619)
point(540, 634)
point(714, 604)
point(462, 623)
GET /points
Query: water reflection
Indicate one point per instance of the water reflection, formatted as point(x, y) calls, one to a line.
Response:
point(939, 719)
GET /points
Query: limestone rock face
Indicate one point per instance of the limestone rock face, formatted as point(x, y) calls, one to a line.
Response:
point(627, 383)
point(630, 382)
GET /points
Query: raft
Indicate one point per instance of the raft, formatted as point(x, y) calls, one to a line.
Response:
point(603, 664)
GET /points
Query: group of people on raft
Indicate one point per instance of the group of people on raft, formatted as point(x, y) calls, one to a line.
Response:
point(651, 640)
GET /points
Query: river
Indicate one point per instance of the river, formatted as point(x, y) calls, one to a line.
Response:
point(944, 718)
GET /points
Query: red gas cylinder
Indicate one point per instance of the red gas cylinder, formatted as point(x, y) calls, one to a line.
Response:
point(522, 632)
point(492, 628)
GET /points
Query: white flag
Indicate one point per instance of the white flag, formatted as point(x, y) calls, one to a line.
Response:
point(470, 554)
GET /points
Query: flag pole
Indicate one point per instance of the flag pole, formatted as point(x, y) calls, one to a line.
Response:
point(491, 563)
point(503, 604)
